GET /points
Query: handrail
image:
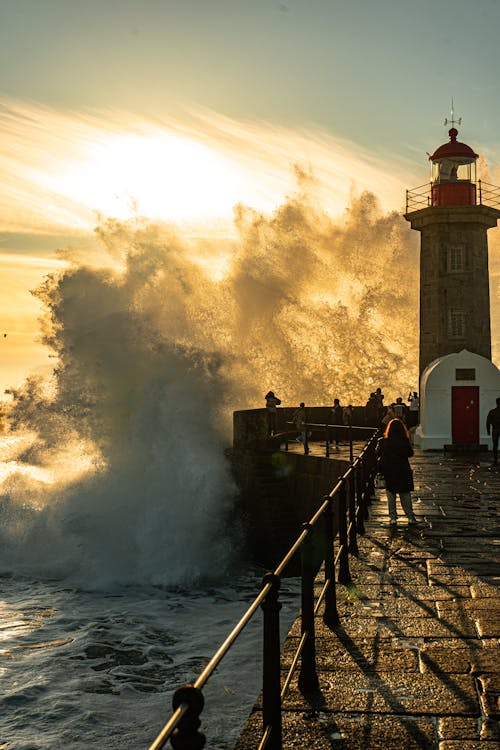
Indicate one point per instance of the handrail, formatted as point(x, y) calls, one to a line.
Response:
point(418, 197)
point(489, 194)
point(353, 492)
point(421, 196)
point(327, 427)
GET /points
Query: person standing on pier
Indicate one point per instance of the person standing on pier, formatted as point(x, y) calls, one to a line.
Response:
point(300, 419)
point(493, 423)
point(272, 402)
point(380, 404)
point(336, 419)
point(394, 451)
point(414, 408)
point(371, 411)
point(400, 409)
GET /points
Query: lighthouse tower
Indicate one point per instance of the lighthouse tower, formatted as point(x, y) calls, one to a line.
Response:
point(453, 219)
point(458, 381)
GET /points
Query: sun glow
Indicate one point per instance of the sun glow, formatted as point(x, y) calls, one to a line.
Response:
point(60, 168)
point(159, 176)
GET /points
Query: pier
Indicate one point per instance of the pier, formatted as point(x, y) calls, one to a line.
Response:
point(414, 661)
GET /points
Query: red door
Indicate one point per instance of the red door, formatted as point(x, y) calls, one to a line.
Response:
point(465, 414)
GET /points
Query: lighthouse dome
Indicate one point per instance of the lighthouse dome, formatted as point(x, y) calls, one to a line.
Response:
point(454, 149)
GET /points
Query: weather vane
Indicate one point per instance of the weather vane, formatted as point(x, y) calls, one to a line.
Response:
point(452, 122)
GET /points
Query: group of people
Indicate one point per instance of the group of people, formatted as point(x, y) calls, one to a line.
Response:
point(339, 418)
point(394, 448)
point(378, 415)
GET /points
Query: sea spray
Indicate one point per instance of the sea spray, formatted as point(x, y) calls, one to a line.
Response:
point(157, 346)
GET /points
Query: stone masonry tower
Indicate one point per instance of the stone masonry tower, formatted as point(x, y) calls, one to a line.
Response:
point(453, 215)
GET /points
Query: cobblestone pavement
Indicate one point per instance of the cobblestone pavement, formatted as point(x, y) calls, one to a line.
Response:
point(415, 662)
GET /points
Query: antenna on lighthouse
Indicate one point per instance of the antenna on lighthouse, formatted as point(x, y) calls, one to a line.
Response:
point(452, 122)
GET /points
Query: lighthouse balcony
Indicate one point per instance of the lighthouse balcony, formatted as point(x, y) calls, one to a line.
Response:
point(453, 193)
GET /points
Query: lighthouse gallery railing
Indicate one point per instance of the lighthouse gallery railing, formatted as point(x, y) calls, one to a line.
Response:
point(421, 196)
point(352, 495)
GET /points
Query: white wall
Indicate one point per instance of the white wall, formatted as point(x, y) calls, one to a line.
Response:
point(434, 430)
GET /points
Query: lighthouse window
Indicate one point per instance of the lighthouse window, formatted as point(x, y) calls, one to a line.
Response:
point(456, 258)
point(456, 324)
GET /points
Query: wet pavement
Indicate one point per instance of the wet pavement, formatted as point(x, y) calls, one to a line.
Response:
point(415, 661)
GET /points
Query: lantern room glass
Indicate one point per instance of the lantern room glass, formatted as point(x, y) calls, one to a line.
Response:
point(454, 170)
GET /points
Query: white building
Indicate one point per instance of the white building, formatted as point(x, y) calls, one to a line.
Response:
point(457, 392)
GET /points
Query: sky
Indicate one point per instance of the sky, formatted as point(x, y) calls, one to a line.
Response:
point(180, 109)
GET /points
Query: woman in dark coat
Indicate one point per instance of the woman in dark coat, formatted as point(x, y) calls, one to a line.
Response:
point(395, 450)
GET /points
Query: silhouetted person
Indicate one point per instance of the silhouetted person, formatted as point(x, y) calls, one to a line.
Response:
point(380, 404)
point(300, 418)
point(394, 451)
point(272, 402)
point(399, 409)
point(389, 414)
point(336, 418)
point(347, 416)
point(371, 411)
point(414, 402)
point(493, 423)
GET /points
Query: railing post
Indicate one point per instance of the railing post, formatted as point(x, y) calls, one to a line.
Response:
point(306, 441)
point(365, 491)
point(360, 526)
point(327, 451)
point(344, 572)
point(351, 452)
point(186, 736)
point(372, 465)
point(271, 676)
point(330, 615)
point(479, 182)
point(353, 534)
point(308, 678)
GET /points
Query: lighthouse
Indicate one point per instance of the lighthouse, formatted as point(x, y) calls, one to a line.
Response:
point(453, 213)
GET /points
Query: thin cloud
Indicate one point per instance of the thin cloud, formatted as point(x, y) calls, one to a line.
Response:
point(60, 168)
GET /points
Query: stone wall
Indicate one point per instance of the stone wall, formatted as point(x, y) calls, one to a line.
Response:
point(279, 491)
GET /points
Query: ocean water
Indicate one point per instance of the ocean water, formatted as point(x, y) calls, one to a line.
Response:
point(86, 669)
point(97, 666)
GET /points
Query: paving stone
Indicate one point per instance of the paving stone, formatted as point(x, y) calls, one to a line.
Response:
point(485, 660)
point(392, 692)
point(490, 694)
point(384, 627)
point(458, 728)
point(490, 729)
point(488, 625)
point(445, 578)
point(468, 745)
point(485, 588)
point(456, 616)
point(432, 593)
point(445, 660)
point(365, 655)
point(486, 604)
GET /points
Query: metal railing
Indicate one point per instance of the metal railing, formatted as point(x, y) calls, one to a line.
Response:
point(421, 196)
point(489, 195)
point(348, 432)
point(352, 493)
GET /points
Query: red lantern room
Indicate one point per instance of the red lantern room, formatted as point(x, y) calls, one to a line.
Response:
point(453, 181)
